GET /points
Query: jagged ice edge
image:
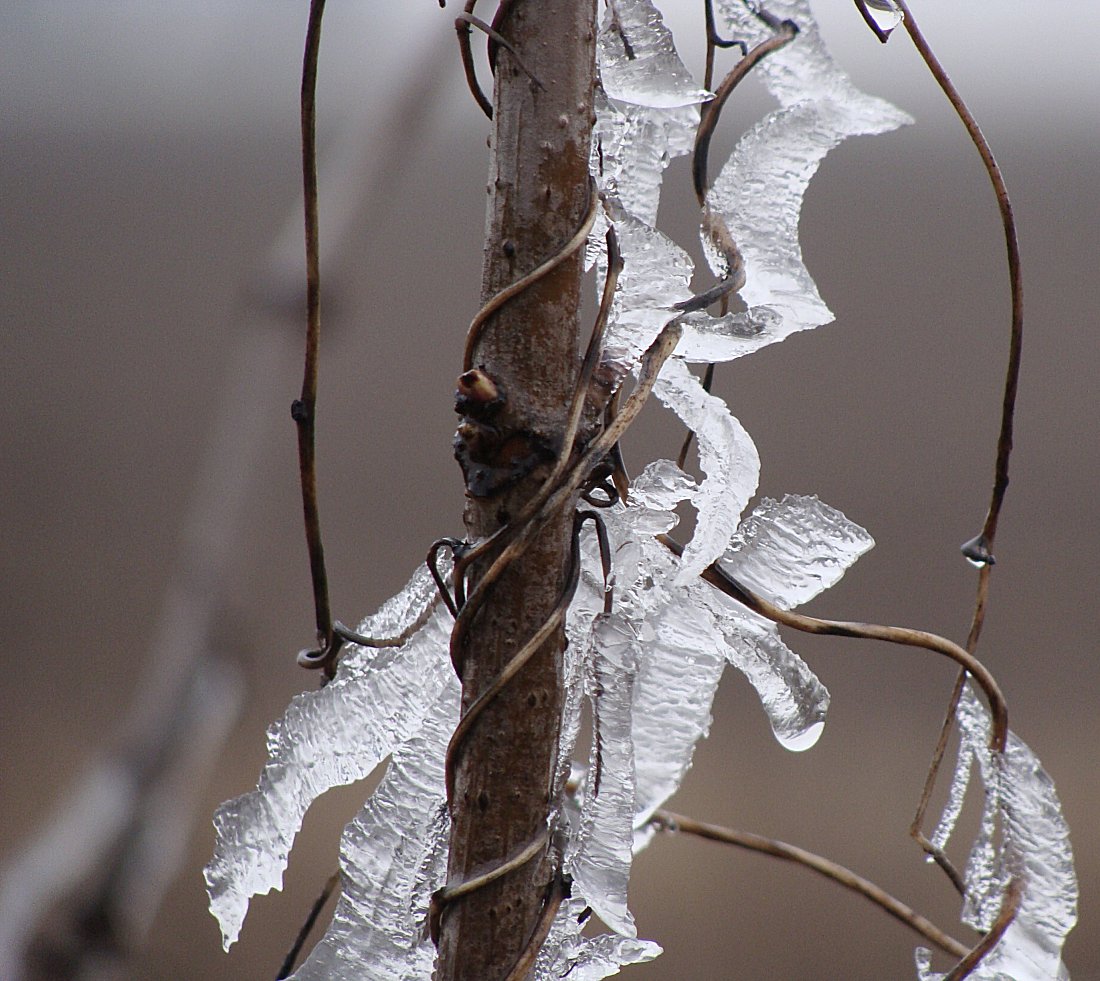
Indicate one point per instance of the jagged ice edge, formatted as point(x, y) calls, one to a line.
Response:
point(336, 735)
point(393, 855)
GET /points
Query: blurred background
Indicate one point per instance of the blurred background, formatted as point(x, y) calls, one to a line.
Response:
point(153, 560)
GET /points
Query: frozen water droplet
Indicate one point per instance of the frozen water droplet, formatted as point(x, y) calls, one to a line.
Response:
point(977, 552)
point(803, 741)
point(886, 14)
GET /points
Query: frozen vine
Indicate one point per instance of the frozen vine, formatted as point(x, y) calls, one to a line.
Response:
point(649, 663)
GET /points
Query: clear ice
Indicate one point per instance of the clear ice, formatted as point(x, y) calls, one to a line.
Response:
point(336, 735)
point(1023, 834)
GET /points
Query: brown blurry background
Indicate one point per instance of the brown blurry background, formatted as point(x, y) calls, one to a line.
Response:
point(148, 162)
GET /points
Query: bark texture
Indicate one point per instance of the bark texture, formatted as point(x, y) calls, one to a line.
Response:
point(538, 195)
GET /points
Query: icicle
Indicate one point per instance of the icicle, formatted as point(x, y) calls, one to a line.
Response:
point(599, 857)
point(792, 696)
point(727, 455)
point(393, 856)
point(646, 107)
point(956, 796)
point(327, 738)
point(1034, 847)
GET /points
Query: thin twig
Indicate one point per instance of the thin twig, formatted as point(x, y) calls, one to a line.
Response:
point(304, 409)
point(979, 549)
point(463, 23)
point(1010, 906)
point(669, 821)
point(916, 827)
point(295, 951)
point(462, 27)
point(715, 41)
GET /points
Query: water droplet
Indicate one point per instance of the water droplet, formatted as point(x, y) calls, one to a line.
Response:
point(804, 740)
point(885, 14)
point(977, 552)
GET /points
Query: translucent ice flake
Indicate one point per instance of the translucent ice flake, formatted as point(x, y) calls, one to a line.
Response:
point(682, 658)
point(599, 857)
point(791, 550)
point(633, 146)
point(727, 455)
point(1034, 848)
point(392, 857)
point(804, 69)
point(655, 275)
point(567, 954)
point(327, 738)
point(638, 60)
point(758, 195)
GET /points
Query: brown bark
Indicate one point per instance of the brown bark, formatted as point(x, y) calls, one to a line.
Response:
point(538, 195)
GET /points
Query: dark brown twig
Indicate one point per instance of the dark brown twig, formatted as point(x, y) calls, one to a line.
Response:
point(668, 821)
point(462, 28)
point(869, 18)
point(715, 41)
point(979, 549)
point(304, 408)
point(916, 827)
point(295, 951)
point(463, 23)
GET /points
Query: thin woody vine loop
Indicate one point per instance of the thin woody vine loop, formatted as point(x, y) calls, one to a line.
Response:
point(587, 461)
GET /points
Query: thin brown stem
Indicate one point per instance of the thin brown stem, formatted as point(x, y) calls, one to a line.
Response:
point(462, 28)
point(981, 548)
point(915, 828)
point(304, 409)
point(669, 821)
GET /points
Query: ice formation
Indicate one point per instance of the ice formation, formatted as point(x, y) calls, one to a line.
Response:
point(1023, 834)
point(650, 665)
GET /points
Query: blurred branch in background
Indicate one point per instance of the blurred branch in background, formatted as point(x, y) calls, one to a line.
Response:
point(80, 898)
